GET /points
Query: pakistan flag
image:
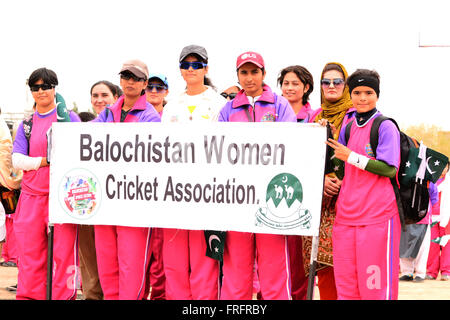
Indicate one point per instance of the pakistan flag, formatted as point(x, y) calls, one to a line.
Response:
point(215, 244)
point(424, 163)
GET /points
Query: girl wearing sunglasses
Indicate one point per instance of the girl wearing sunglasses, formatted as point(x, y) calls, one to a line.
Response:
point(123, 252)
point(337, 109)
point(156, 91)
point(31, 216)
point(190, 274)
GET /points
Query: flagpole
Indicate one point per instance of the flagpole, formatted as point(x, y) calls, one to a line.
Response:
point(315, 239)
point(50, 261)
point(312, 268)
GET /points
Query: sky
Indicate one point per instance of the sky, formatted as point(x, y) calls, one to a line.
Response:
point(87, 41)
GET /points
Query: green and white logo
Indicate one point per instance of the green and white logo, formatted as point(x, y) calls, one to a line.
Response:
point(284, 197)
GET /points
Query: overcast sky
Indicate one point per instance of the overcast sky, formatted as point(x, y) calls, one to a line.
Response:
point(84, 42)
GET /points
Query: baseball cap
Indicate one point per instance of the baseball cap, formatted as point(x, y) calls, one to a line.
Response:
point(250, 56)
point(159, 76)
point(136, 67)
point(193, 49)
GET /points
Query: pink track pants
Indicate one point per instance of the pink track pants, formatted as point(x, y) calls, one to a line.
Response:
point(190, 274)
point(123, 254)
point(438, 257)
point(31, 230)
point(272, 256)
point(366, 260)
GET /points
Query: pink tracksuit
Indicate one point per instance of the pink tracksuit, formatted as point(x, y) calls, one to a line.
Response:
point(272, 252)
point(190, 274)
point(123, 253)
point(31, 224)
point(366, 233)
point(438, 257)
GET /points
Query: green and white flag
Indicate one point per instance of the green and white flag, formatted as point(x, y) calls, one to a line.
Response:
point(436, 163)
point(442, 241)
point(423, 163)
point(215, 244)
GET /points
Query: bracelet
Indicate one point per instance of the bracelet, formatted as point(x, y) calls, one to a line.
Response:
point(358, 160)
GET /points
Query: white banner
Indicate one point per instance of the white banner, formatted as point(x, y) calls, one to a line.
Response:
point(258, 177)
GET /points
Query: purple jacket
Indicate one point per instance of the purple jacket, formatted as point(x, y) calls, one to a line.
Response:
point(142, 111)
point(270, 107)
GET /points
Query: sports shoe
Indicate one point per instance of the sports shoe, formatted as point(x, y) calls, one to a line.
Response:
point(406, 277)
point(418, 279)
point(445, 277)
point(428, 277)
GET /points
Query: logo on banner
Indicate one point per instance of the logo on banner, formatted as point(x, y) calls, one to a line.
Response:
point(284, 209)
point(79, 194)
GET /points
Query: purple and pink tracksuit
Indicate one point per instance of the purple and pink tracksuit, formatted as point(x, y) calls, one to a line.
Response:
point(366, 233)
point(305, 114)
point(272, 254)
point(123, 253)
point(438, 257)
point(31, 224)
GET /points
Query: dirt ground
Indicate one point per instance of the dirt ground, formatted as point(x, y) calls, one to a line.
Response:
point(427, 290)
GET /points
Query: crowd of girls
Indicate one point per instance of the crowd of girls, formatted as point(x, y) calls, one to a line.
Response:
point(359, 235)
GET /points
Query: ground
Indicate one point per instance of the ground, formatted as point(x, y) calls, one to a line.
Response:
point(427, 290)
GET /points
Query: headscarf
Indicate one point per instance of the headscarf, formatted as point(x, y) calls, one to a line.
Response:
point(335, 112)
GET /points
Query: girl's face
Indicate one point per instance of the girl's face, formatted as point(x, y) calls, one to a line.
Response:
point(293, 88)
point(156, 92)
point(364, 99)
point(251, 79)
point(131, 86)
point(191, 76)
point(43, 98)
point(101, 96)
point(334, 85)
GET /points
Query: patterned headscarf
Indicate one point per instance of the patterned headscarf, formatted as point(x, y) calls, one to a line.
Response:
point(335, 112)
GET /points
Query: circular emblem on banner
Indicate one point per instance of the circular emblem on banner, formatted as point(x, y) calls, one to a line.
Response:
point(284, 197)
point(80, 194)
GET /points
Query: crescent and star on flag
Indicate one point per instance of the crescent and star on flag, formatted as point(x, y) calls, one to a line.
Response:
point(211, 238)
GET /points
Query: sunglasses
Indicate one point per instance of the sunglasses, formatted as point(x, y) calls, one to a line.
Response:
point(230, 95)
point(128, 76)
point(44, 86)
point(158, 87)
point(336, 82)
point(195, 65)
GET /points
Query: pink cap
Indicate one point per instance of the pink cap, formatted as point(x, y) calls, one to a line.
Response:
point(252, 57)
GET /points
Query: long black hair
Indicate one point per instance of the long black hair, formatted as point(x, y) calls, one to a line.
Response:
point(305, 77)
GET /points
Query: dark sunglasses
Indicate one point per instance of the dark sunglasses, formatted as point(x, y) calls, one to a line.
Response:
point(195, 65)
point(44, 86)
point(230, 95)
point(128, 76)
point(158, 87)
point(336, 82)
